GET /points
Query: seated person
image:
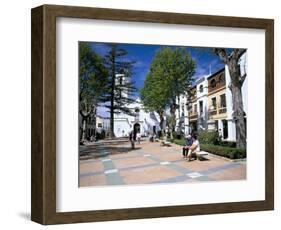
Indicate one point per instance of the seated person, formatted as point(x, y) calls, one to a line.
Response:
point(194, 148)
point(188, 143)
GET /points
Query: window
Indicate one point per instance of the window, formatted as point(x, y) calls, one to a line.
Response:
point(201, 107)
point(214, 103)
point(100, 125)
point(201, 88)
point(195, 108)
point(225, 129)
point(223, 101)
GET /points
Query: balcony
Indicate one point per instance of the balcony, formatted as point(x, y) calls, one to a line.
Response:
point(213, 112)
point(193, 116)
point(222, 110)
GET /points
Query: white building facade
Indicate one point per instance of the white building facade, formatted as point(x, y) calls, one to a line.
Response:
point(210, 106)
point(145, 123)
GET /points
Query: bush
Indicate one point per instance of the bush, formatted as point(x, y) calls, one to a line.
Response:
point(231, 144)
point(208, 137)
point(179, 141)
point(229, 152)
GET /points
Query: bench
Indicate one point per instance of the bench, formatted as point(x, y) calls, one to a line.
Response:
point(166, 143)
point(200, 155)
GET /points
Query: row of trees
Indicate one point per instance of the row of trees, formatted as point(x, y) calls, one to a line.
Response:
point(100, 86)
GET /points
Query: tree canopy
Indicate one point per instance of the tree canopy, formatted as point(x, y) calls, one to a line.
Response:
point(92, 73)
point(171, 74)
point(93, 81)
point(120, 86)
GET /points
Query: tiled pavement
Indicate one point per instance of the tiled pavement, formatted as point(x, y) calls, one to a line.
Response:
point(151, 163)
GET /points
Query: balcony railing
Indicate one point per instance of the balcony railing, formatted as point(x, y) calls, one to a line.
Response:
point(217, 111)
point(222, 110)
point(193, 115)
point(212, 112)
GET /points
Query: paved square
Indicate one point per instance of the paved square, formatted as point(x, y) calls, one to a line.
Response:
point(115, 163)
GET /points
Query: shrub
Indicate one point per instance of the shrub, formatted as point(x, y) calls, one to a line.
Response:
point(179, 141)
point(208, 137)
point(229, 152)
point(231, 144)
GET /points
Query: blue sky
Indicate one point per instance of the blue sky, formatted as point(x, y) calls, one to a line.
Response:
point(143, 54)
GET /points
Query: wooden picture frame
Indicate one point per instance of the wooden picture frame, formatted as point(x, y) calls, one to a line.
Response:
point(43, 202)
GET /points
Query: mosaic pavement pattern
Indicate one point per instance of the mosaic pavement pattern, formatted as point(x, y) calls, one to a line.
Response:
point(150, 163)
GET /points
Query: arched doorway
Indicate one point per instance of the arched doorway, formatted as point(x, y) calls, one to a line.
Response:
point(136, 128)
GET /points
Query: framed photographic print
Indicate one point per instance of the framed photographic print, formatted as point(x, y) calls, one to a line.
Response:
point(140, 114)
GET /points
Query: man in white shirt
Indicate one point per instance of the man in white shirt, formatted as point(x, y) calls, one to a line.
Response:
point(194, 148)
point(138, 137)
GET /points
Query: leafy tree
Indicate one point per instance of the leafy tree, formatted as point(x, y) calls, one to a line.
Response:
point(93, 81)
point(119, 87)
point(170, 75)
point(230, 57)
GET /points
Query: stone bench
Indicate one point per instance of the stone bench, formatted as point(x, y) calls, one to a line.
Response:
point(200, 155)
point(166, 143)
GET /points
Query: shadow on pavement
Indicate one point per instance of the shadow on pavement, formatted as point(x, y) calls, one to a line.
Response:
point(90, 152)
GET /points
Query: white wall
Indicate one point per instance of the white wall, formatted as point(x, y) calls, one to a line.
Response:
point(15, 113)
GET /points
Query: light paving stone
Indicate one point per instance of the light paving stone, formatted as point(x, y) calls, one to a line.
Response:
point(111, 171)
point(194, 175)
point(165, 163)
point(107, 159)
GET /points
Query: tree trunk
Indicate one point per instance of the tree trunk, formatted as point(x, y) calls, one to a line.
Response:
point(94, 135)
point(161, 115)
point(173, 120)
point(236, 89)
point(179, 113)
point(112, 99)
point(85, 112)
point(83, 138)
point(238, 116)
point(237, 101)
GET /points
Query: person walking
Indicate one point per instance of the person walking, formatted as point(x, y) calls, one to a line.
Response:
point(131, 138)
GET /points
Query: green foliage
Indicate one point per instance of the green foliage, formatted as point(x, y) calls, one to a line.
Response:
point(179, 141)
point(116, 63)
point(232, 153)
point(170, 75)
point(224, 151)
point(171, 121)
point(208, 137)
point(154, 94)
point(231, 144)
point(92, 74)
